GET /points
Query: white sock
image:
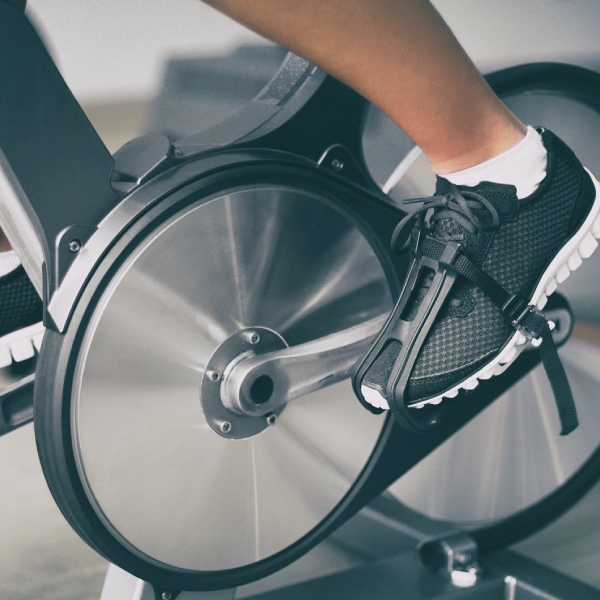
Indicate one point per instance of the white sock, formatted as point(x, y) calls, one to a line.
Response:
point(523, 166)
point(9, 261)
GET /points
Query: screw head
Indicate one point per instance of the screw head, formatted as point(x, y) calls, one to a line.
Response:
point(166, 596)
point(212, 375)
point(225, 426)
point(74, 246)
point(253, 337)
point(272, 419)
point(337, 164)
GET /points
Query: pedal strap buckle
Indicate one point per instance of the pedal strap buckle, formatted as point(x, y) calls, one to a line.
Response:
point(524, 317)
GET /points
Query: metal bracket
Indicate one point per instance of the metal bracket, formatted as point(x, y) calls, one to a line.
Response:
point(69, 244)
point(140, 159)
point(456, 555)
point(121, 585)
point(338, 159)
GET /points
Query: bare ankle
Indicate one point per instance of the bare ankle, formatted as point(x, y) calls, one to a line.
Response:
point(4, 243)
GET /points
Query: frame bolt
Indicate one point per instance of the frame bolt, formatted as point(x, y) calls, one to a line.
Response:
point(272, 419)
point(337, 164)
point(166, 596)
point(212, 375)
point(225, 426)
point(74, 246)
point(253, 337)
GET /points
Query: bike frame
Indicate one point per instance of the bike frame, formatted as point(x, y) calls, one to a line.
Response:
point(66, 200)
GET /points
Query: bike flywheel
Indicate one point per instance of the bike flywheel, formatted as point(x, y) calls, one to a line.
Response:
point(156, 487)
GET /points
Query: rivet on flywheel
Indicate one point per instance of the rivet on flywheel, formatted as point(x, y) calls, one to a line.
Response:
point(74, 246)
point(272, 419)
point(225, 426)
point(337, 164)
point(212, 375)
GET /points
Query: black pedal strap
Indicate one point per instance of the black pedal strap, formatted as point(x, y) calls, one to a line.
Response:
point(567, 412)
point(526, 319)
point(407, 332)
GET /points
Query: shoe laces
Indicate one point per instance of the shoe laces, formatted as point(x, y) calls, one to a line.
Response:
point(459, 206)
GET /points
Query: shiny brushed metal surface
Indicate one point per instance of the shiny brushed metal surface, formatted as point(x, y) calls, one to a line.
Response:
point(159, 477)
point(222, 413)
point(298, 371)
point(511, 455)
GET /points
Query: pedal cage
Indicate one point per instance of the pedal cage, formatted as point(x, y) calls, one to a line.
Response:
point(410, 331)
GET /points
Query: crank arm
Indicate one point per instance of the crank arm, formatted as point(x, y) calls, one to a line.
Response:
point(259, 384)
point(256, 385)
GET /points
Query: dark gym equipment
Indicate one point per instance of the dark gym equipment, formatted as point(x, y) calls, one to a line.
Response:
point(240, 257)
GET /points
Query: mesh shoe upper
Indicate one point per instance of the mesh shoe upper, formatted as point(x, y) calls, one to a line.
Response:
point(530, 233)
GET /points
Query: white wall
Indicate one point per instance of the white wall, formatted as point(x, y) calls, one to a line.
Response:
point(500, 33)
point(113, 49)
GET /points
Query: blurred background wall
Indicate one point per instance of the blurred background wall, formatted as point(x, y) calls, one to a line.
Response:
point(114, 50)
point(118, 56)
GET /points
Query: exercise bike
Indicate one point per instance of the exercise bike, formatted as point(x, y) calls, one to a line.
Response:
point(206, 301)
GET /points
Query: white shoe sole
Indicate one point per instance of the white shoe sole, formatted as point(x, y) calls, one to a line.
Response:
point(581, 246)
point(20, 345)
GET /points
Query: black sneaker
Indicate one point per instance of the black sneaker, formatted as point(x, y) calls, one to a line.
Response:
point(483, 267)
point(21, 330)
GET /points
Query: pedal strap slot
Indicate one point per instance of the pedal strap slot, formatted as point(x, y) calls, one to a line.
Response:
point(411, 334)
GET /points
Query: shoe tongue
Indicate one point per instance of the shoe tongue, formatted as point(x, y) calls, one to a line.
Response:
point(502, 197)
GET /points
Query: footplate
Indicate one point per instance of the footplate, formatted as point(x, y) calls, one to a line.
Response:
point(388, 364)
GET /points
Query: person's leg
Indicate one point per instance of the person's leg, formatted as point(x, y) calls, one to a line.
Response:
point(401, 56)
point(514, 202)
point(4, 243)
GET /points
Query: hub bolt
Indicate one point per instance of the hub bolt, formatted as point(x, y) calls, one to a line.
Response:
point(272, 419)
point(166, 596)
point(225, 426)
point(212, 375)
point(253, 337)
point(74, 246)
